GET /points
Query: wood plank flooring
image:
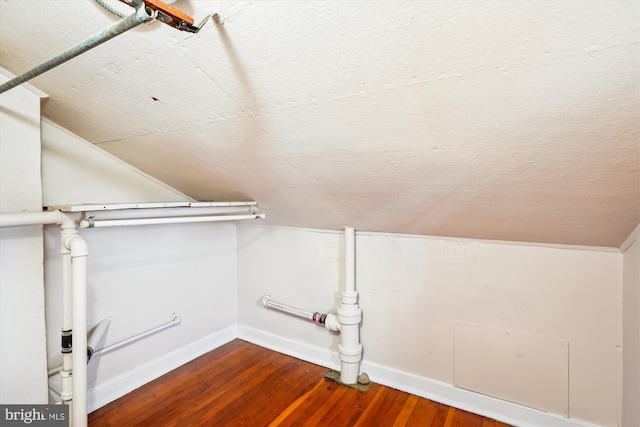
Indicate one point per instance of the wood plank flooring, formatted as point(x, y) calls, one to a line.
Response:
point(241, 384)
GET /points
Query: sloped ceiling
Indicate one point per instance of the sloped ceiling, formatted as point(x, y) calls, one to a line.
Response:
point(499, 120)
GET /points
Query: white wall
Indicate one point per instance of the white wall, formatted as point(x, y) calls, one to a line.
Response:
point(75, 171)
point(412, 290)
point(137, 276)
point(295, 266)
point(22, 322)
point(631, 335)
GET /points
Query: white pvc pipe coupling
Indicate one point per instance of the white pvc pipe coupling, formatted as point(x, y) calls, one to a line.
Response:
point(350, 298)
point(350, 348)
point(332, 323)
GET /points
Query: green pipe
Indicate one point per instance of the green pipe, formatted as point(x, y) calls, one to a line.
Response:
point(140, 16)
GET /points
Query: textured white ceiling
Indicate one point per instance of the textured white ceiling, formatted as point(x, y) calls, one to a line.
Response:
point(500, 120)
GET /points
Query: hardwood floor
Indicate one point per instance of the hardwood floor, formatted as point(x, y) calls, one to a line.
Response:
point(241, 384)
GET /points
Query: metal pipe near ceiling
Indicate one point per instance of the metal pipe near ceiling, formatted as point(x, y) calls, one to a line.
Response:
point(140, 16)
point(146, 10)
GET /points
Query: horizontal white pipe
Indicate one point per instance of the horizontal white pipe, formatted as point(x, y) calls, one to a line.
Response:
point(268, 303)
point(101, 329)
point(329, 320)
point(168, 220)
point(162, 212)
point(174, 321)
point(30, 218)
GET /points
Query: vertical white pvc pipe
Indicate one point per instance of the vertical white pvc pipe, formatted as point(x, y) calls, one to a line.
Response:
point(349, 316)
point(67, 231)
point(79, 252)
point(67, 294)
point(67, 313)
point(349, 260)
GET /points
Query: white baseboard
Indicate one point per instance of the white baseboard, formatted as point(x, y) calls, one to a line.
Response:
point(313, 354)
point(119, 386)
point(437, 391)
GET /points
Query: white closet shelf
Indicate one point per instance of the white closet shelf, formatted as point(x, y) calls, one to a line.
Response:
point(118, 206)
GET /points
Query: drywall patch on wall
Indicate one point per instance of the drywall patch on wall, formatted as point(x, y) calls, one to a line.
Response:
point(523, 368)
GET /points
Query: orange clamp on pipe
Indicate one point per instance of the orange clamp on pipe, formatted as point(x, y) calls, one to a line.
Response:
point(170, 15)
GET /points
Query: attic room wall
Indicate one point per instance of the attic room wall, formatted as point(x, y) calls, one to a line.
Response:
point(23, 371)
point(631, 334)
point(138, 276)
point(413, 289)
point(76, 171)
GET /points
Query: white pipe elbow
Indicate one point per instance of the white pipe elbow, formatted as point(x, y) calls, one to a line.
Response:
point(96, 335)
point(265, 300)
point(77, 245)
point(331, 323)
